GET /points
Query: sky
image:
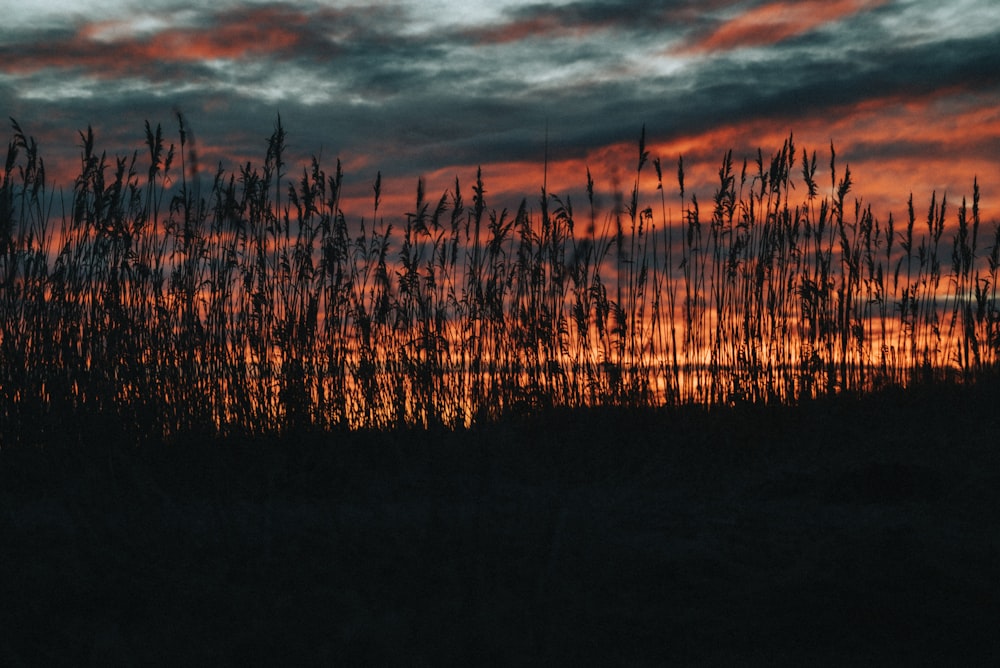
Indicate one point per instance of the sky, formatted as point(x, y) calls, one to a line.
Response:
point(908, 91)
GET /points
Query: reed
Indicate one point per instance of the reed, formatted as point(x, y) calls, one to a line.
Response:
point(256, 304)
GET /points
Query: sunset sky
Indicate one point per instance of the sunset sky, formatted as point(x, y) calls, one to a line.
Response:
point(907, 90)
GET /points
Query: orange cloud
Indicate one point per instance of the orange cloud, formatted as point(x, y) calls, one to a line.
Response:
point(776, 21)
point(514, 32)
point(894, 146)
point(112, 48)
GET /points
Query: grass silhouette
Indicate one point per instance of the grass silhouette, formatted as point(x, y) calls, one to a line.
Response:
point(256, 306)
point(236, 428)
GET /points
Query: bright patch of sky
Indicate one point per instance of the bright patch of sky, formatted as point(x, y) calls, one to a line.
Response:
point(59, 91)
point(141, 25)
point(432, 15)
point(60, 13)
point(922, 21)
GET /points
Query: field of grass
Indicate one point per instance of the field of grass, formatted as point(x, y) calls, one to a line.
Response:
point(239, 426)
point(256, 304)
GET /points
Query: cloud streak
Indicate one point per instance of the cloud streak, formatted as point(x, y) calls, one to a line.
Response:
point(773, 22)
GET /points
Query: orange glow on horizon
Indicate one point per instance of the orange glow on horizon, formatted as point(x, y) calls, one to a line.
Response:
point(894, 145)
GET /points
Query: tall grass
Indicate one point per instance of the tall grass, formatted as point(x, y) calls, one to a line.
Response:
point(256, 304)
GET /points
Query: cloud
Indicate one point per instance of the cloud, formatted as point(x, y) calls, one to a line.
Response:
point(774, 22)
point(432, 87)
point(133, 47)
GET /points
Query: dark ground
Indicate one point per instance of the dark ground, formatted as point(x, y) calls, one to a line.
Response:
point(841, 532)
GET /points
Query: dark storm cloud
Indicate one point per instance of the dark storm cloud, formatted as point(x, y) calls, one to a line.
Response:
point(785, 88)
point(631, 14)
point(544, 20)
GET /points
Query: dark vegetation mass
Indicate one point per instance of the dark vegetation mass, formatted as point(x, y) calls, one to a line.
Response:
point(238, 427)
point(255, 304)
point(838, 532)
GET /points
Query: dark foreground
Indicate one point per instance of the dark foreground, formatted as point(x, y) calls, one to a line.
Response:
point(836, 533)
